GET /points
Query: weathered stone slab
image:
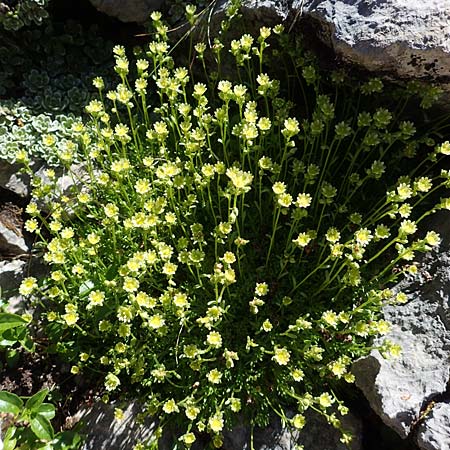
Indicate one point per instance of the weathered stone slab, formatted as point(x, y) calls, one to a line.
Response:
point(128, 10)
point(11, 275)
point(103, 431)
point(434, 432)
point(398, 389)
point(398, 39)
point(11, 242)
point(11, 179)
point(407, 38)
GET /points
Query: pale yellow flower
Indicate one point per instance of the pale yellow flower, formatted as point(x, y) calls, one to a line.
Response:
point(156, 321)
point(214, 339)
point(170, 406)
point(241, 180)
point(325, 400)
point(281, 356)
point(214, 376)
point(27, 286)
point(216, 423)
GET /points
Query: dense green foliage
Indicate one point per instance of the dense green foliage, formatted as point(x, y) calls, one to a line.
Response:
point(26, 424)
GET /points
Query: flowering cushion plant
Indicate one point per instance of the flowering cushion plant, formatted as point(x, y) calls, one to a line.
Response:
point(222, 256)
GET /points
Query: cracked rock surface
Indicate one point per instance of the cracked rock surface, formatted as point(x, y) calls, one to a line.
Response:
point(128, 10)
point(434, 432)
point(399, 39)
point(405, 38)
point(11, 275)
point(12, 180)
point(409, 38)
point(400, 389)
point(104, 432)
point(12, 241)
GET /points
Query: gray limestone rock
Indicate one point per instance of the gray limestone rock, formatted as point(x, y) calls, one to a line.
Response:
point(257, 13)
point(398, 389)
point(319, 435)
point(66, 180)
point(407, 38)
point(20, 184)
point(316, 435)
point(11, 241)
point(128, 10)
point(11, 179)
point(434, 432)
point(104, 432)
point(11, 275)
point(401, 39)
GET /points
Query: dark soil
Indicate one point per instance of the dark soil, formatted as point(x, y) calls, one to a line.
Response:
point(11, 217)
point(376, 435)
point(32, 372)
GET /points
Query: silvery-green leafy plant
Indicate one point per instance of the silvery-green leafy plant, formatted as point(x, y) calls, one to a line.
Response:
point(50, 68)
point(229, 251)
point(16, 14)
point(22, 133)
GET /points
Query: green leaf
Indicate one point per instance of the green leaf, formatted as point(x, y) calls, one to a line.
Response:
point(47, 410)
point(10, 403)
point(7, 342)
point(67, 440)
point(28, 343)
point(54, 331)
point(8, 320)
point(42, 428)
point(33, 403)
point(10, 433)
point(46, 447)
point(9, 442)
point(12, 334)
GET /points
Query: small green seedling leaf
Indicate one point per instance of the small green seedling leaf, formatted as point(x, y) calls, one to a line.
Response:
point(47, 410)
point(10, 403)
point(28, 344)
point(42, 428)
point(34, 402)
point(12, 357)
point(67, 440)
point(9, 441)
point(8, 320)
point(7, 342)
